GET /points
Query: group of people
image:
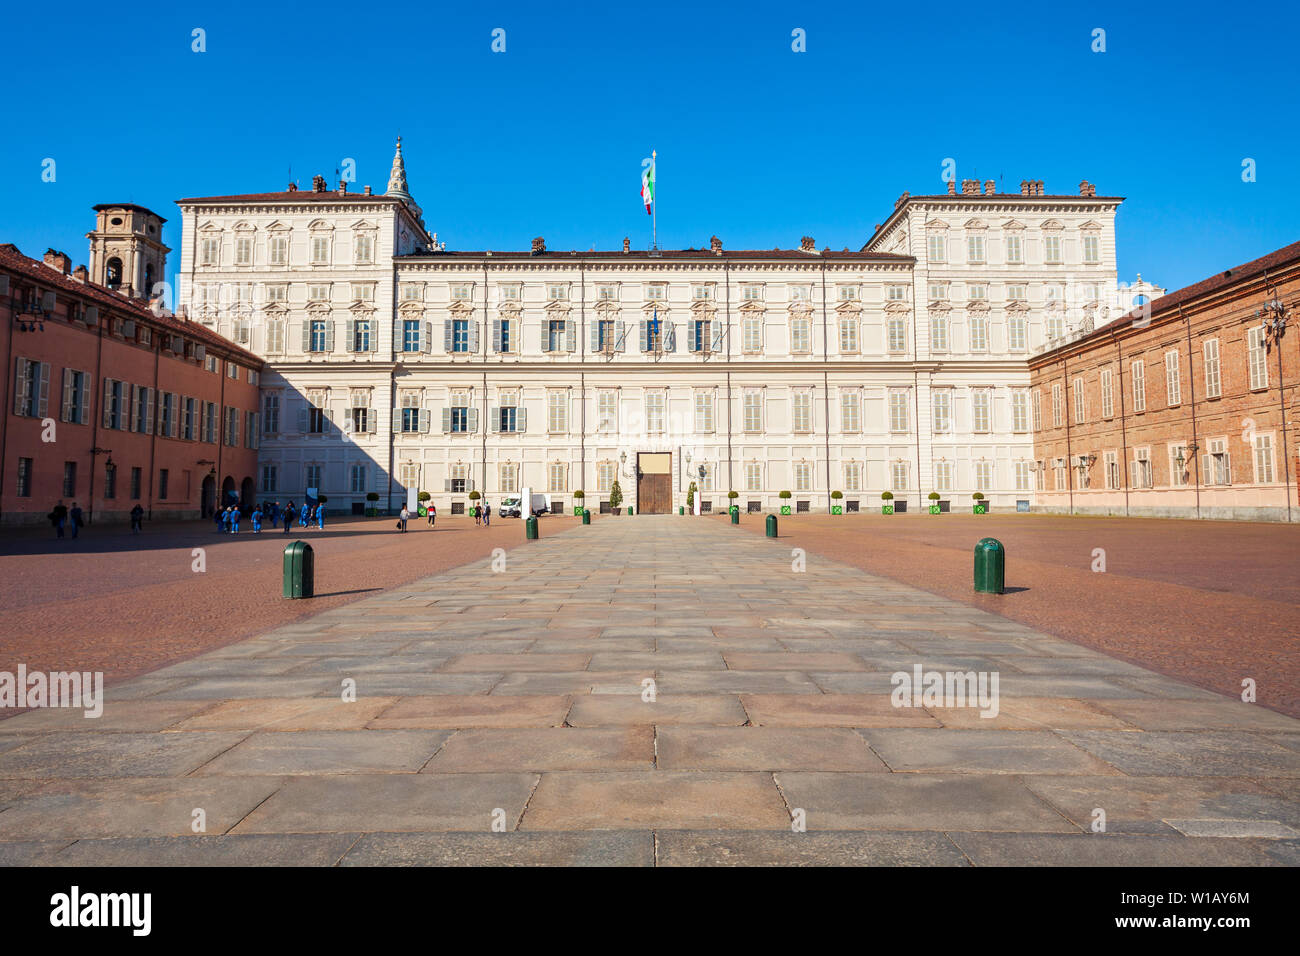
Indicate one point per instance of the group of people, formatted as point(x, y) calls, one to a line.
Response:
point(482, 515)
point(269, 512)
point(61, 517)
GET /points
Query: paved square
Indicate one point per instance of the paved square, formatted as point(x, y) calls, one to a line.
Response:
point(650, 691)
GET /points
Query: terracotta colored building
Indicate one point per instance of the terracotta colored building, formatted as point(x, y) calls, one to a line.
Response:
point(1188, 411)
point(113, 403)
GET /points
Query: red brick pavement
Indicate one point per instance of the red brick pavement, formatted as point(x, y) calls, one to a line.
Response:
point(128, 604)
point(1208, 602)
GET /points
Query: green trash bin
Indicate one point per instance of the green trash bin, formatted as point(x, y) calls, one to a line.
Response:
point(771, 526)
point(630, 510)
point(530, 528)
point(586, 516)
point(735, 516)
point(681, 509)
point(299, 570)
point(990, 566)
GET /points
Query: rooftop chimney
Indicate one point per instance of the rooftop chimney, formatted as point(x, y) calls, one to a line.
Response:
point(990, 187)
point(343, 187)
point(627, 245)
point(1038, 187)
point(716, 245)
point(952, 187)
point(807, 244)
point(293, 188)
point(1087, 189)
point(58, 261)
point(1024, 187)
point(318, 184)
point(970, 187)
point(901, 199)
point(367, 190)
point(81, 274)
point(539, 246)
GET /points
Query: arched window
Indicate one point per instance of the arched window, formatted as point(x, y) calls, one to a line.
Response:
point(114, 277)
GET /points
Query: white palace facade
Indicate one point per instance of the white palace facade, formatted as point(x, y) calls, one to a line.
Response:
point(394, 363)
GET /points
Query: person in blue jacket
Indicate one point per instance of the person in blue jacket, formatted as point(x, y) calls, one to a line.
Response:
point(234, 520)
point(257, 521)
point(320, 517)
point(218, 515)
point(302, 518)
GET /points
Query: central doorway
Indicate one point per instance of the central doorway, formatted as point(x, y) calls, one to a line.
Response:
point(654, 483)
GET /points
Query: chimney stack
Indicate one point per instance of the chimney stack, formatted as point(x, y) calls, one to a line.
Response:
point(318, 184)
point(901, 199)
point(539, 246)
point(990, 187)
point(715, 244)
point(293, 188)
point(343, 187)
point(367, 191)
point(58, 261)
point(970, 187)
point(81, 274)
point(1038, 187)
point(1087, 189)
point(807, 244)
point(627, 245)
point(1024, 187)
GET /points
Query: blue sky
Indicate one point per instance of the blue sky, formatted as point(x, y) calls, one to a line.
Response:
point(757, 144)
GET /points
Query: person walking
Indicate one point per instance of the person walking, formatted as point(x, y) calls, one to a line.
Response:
point(234, 520)
point(320, 517)
point(432, 511)
point(303, 515)
point(257, 520)
point(58, 517)
point(137, 519)
point(402, 518)
point(478, 517)
point(288, 518)
point(217, 515)
point(75, 517)
point(487, 513)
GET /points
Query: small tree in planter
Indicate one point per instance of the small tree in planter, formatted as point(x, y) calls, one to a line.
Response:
point(731, 499)
point(372, 508)
point(690, 498)
point(784, 496)
point(616, 498)
point(979, 507)
point(577, 506)
point(836, 508)
point(934, 502)
point(886, 502)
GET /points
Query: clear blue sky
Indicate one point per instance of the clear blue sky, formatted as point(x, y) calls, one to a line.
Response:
point(757, 144)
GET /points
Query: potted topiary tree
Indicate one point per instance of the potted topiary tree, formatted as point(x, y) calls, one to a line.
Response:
point(616, 498)
point(979, 507)
point(731, 498)
point(372, 508)
point(836, 508)
point(784, 496)
point(577, 506)
point(886, 502)
point(934, 502)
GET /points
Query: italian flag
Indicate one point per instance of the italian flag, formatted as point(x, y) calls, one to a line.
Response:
point(648, 186)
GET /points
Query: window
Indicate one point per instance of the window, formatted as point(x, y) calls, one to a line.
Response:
point(939, 333)
point(364, 246)
point(848, 333)
point(361, 335)
point(318, 292)
point(848, 293)
point(243, 251)
point(409, 475)
point(700, 335)
point(656, 292)
point(1110, 465)
point(605, 340)
point(751, 293)
point(801, 412)
point(850, 411)
point(983, 476)
point(137, 479)
point(1052, 250)
point(163, 476)
point(1019, 410)
point(316, 412)
point(76, 396)
point(938, 291)
point(210, 252)
point(360, 420)
point(1213, 385)
point(1038, 410)
point(24, 477)
point(411, 335)
point(557, 292)
point(704, 411)
point(1218, 470)
point(555, 335)
point(1091, 250)
point(1179, 465)
point(232, 427)
point(557, 411)
point(654, 413)
point(1022, 476)
point(115, 412)
point(607, 412)
point(800, 293)
point(1107, 395)
point(460, 335)
point(943, 476)
point(937, 247)
point(278, 250)
point(1058, 406)
point(558, 474)
point(357, 479)
point(209, 426)
point(190, 419)
point(363, 292)
point(508, 478)
point(1263, 459)
point(975, 248)
point(702, 293)
point(898, 476)
point(1139, 377)
point(313, 476)
point(752, 333)
point(981, 400)
point(1255, 358)
point(941, 404)
point(412, 415)
point(1080, 402)
point(800, 334)
point(802, 476)
point(753, 476)
point(896, 333)
point(1055, 324)
point(753, 412)
point(270, 479)
point(979, 333)
point(899, 416)
point(414, 292)
point(1014, 254)
point(1059, 474)
point(852, 476)
point(506, 339)
point(317, 335)
point(31, 389)
point(459, 414)
point(1173, 384)
point(1016, 332)
point(167, 414)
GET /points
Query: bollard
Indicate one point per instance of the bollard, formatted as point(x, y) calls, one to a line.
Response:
point(586, 516)
point(530, 528)
point(630, 511)
point(771, 526)
point(735, 516)
point(990, 566)
point(299, 570)
point(681, 509)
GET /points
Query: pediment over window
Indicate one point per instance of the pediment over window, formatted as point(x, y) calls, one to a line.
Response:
point(364, 226)
point(243, 226)
point(321, 225)
point(752, 307)
point(1090, 226)
point(898, 308)
point(849, 307)
point(1052, 225)
point(936, 225)
point(1013, 225)
point(411, 309)
point(362, 310)
point(800, 308)
point(278, 226)
point(978, 306)
point(209, 227)
point(659, 305)
point(510, 307)
point(939, 308)
point(560, 308)
point(318, 309)
point(461, 310)
point(275, 309)
point(704, 308)
point(975, 224)
point(1017, 305)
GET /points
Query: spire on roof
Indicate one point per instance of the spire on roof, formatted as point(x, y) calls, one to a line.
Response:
point(397, 182)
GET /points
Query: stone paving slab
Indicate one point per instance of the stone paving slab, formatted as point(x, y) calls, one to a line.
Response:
point(650, 691)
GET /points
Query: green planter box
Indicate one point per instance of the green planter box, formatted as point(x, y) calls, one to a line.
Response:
point(934, 509)
point(980, 509)
point(886, 509)
point(785, 509)
point(837, 510)
point(577, 512)
point(734, 509)
point(372, 512)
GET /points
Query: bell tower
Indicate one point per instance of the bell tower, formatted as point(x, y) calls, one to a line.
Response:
point(126, 250)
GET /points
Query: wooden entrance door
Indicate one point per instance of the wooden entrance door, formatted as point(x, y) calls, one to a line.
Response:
point(654, 483)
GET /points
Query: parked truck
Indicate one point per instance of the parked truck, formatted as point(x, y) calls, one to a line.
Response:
point(511, 505)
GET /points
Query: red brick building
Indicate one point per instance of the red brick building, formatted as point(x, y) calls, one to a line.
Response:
point(1190, 411)
point(113, 403)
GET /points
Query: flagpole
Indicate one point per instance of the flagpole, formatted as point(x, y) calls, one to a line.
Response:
point(654, 202)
